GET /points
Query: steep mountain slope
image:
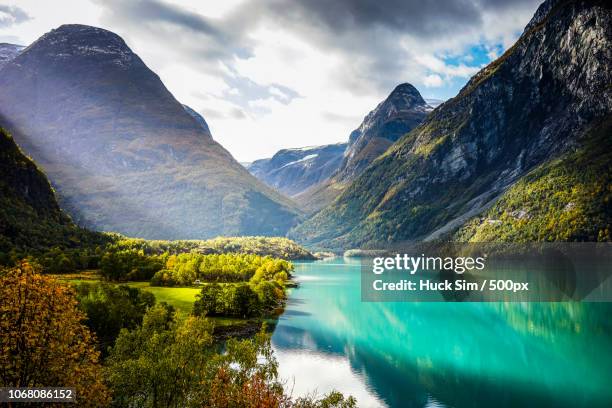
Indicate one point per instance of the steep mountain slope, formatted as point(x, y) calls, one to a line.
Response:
point(292, 171)
point(536, 103)
point(123, 154)
point(30, 218)
point(399, 113)
point(565, 199)
point(8, 52)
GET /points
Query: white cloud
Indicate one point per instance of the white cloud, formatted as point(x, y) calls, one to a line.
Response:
point(433, 81)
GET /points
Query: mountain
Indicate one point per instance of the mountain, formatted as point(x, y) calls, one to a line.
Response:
point(123, 154)
point(292, 171)
point(506, 141)
point(30, 218)
point(403, 110)
point(8, 52)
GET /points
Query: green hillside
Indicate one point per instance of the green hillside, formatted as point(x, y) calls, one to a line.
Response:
point(30, 218)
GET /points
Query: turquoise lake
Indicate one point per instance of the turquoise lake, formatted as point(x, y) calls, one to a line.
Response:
point(440, 354)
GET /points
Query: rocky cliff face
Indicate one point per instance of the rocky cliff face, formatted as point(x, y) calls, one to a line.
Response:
point(535, 103)
point(403, 110)
point(292, 171)
point(8, 52)
point(123, 154)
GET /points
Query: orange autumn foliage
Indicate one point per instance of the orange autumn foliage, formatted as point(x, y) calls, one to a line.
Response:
point(253, 393)
point(43, 341)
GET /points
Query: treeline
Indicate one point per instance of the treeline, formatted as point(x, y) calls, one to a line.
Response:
point(235, 285)
point(153, 356)
point(277, 247)
point(185, 269)
point(122, 258)
point(79, 249)
point(130, 265)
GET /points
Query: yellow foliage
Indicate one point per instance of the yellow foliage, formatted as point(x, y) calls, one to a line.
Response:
point(43, 341)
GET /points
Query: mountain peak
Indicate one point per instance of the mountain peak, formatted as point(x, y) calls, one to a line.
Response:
point(541, 13)
point(400, 112)
point(406, 96)
point(543, 100)
point(82, 30)
point(407, 89)
point(87, 42)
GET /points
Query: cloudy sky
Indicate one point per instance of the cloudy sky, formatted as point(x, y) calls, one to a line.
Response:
point(271, 74)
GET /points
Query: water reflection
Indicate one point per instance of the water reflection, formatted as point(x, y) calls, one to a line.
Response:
point(440, 354)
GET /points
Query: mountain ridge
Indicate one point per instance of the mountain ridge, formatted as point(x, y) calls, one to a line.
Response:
point(30, 217)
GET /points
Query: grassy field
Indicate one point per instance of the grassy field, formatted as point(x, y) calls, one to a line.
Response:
point(181, 298)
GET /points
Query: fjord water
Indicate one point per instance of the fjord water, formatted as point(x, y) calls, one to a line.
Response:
point(440, 354)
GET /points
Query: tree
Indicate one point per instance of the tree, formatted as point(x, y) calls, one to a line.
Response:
point(109, 308)
point(43, 341)
point(241, 301)
point(207, 301)
point(161, 363)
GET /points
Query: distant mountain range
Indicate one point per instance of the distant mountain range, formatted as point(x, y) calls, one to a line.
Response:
point(522, 153)
point(122, 152)
point(292, 171)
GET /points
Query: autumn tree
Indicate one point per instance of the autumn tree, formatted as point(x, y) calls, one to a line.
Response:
point(43, 341)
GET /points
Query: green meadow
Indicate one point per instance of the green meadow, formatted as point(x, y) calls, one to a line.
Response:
point(181, 298)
